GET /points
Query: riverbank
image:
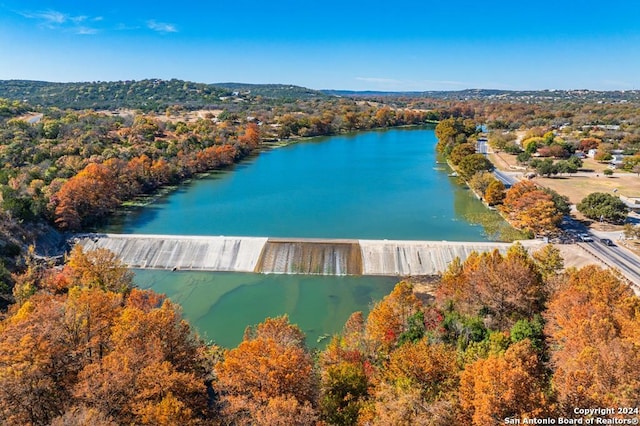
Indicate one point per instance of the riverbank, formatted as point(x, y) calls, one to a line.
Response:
point(509, 234)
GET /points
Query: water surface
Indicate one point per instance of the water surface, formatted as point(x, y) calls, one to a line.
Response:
point(374, 185)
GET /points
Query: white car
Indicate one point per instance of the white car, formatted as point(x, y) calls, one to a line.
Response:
point(585, 238)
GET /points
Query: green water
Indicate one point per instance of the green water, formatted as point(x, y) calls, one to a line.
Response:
point(221, 305)
point(374, 185)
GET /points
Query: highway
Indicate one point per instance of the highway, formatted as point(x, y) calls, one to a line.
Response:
point(616, 257)
point(613, 256)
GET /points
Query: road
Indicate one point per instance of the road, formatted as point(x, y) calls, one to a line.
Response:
point(507, 179)
point(613, 256)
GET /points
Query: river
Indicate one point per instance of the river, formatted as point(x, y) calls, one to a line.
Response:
point(374, 185)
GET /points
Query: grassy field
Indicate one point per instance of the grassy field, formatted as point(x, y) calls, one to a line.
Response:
point(579, 186)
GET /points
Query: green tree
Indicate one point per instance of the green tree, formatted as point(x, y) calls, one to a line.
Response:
point(576, 161)
point(566, 166)
point(562, 203)
point(546, 168)
point(602, 206)
point(529, 329)
point(523, 157)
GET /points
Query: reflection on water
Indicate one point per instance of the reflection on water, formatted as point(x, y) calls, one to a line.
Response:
point(467, 206)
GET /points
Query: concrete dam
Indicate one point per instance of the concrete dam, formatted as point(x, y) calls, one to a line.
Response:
point(288, 255)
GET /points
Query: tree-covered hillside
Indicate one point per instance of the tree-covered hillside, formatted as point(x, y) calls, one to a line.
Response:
point(147, 95)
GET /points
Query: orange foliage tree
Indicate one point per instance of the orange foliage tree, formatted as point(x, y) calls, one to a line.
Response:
point(592, 322)
point(91, 193)
point(503, 288)
point(417, 384)
point(114, 357)
point(511, 385)
point(270, 368)
point(531, 209)
point(389, 318)
point(97, 268)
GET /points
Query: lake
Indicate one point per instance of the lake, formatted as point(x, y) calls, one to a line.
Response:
point(373, 185)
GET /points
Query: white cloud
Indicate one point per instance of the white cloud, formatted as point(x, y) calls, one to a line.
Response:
point(161, 27)
point(56, 20)
point(78, 19)
point(85, 31)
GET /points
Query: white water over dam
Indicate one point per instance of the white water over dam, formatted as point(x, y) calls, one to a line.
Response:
point(289, 256)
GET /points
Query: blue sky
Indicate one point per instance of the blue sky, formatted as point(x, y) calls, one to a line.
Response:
point(358, 45)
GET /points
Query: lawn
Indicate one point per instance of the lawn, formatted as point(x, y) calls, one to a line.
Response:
point(578, 187)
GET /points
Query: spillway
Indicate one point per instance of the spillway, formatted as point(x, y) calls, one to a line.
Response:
point(320, 257)
point(289, 255)
point(388, 257)
point(181, 252)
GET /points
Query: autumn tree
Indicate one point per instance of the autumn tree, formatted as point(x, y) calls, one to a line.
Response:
point(592, 324)
point(531, 209)
point(480, 181)
point(495, 193)
point(154, 371)
point(270, 366)
point(81, 416)
point(34, 363)
point(416, 385)
point(503, 386)
point(92, 352)
point(548, 260)
point(99, 268)
point(251, 137)
point(502, 288)
point(453, 131)
point(461, 151)
point(389, 318)
point(90, 195)
point(472, 164)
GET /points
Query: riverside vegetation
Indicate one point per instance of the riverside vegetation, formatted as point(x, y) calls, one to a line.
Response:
point(506, 336)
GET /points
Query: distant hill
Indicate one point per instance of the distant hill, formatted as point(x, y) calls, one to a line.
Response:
point(274, 91)
point(157, 95)
point(520, 95)
point(148, 95)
